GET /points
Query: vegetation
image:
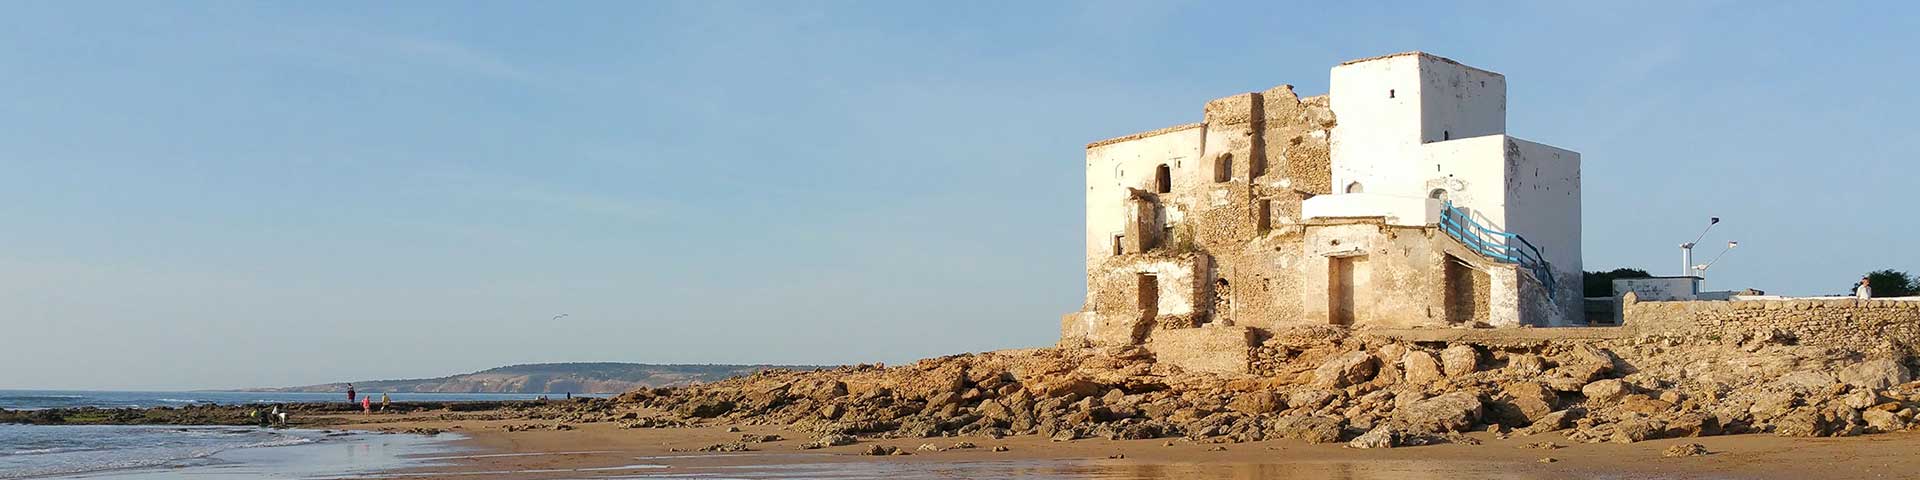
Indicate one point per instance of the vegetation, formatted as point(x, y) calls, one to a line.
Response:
point(1892, 283)
point(1600, 284)
point(1182, 242)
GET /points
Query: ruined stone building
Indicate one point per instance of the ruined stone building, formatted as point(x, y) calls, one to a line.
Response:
point(1397, 200)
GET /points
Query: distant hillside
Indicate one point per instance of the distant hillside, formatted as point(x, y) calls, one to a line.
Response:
point(552, 378)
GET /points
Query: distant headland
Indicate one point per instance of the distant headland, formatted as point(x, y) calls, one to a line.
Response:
point(557, 378)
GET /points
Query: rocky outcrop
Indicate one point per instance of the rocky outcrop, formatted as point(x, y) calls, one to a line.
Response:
point(1324, 386)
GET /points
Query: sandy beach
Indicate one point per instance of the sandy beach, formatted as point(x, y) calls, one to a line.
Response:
point(603, 450)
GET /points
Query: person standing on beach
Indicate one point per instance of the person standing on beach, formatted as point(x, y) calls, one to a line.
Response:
point(366, 405)
point(349, 393)
point(385, 402)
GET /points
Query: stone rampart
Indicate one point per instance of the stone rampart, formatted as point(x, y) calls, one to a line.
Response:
point(1865, 326)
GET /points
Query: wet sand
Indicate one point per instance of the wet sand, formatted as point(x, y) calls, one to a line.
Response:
point(603, 450)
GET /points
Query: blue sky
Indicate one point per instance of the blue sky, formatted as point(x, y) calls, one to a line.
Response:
point(207, 194)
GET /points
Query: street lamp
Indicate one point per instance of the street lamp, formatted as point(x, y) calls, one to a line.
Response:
point(1702, 268)
point(1686, 249)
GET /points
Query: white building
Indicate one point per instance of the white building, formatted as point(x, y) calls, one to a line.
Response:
point(1277, 210)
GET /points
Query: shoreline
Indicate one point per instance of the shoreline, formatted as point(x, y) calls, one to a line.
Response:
point(603, 449)
point(513, 441)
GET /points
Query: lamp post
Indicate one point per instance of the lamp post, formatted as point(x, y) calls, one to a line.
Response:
point(1702, 268)
point(1686, 249)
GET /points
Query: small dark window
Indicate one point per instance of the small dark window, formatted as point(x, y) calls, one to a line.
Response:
point(1446, 135)
point(1223, 168)
point(1163, 179)
point(1389, 93)
point(1116, 244)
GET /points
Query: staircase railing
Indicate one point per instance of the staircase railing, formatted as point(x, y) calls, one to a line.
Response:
point(1496, 244)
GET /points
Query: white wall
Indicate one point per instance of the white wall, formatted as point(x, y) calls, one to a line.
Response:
point(1471, 171)
point(1657, 289)
point(1458, 101)
point(1388, 107)
point(1543, 200)
point(1113, 168)
point(1398, 210)
point(1376, 105)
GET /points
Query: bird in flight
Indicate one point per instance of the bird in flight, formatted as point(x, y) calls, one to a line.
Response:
point(560, 316)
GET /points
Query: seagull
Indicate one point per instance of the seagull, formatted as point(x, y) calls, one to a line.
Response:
point(560, 316)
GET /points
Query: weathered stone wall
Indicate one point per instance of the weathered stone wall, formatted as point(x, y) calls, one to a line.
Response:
point(1866, 326)
point(1114, 314)
point(1401, 283)
point(1213, 348)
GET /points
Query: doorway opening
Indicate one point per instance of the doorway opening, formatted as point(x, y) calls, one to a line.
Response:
point(1340, 290)
point(1148, 297)
point(1466, 292)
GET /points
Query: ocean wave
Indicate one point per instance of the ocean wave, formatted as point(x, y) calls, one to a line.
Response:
point(284, 442)
point(124, 464)
point(81, 460)
point(44, 451)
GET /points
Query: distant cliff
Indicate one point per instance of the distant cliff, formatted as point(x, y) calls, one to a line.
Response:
point(554, 378)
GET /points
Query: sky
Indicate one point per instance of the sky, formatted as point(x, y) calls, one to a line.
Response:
point(233, 194)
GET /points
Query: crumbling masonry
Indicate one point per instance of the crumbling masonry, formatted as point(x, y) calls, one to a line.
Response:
point(1394, 201)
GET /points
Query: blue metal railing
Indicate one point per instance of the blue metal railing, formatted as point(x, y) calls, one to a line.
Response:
point(1496, 244)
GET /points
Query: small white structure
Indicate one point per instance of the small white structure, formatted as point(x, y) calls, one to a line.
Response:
point(1659, 289)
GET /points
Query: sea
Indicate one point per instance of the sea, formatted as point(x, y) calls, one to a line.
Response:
point(174, 452)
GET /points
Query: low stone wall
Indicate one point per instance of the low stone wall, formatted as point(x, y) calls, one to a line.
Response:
point(1213, 348)
point(1864, 326)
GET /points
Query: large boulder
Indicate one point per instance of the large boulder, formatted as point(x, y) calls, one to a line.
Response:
point(1606, 391)
point(1634, 430)
point(1772, 404)
point(1801, 422)
point(1419, 368)
point(1693, 424)
point(1072, 387)
point(1875, 374)
point(1526, 364)
point(1645, 405)
point(705, 408)
point(1351, 368)
point(1587, 363)
point(1380, 437)
point(1882, 421)
point(1311, 399)
point(1309, 428)
point(1459, 360)
point(1530, 400)
point(1551, 422)
point(995, 411)
point(1446, 413)
point(1257, 403)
